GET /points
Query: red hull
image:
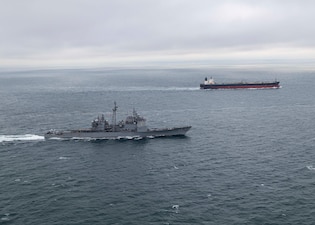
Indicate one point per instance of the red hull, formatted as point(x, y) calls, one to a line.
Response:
point(241, 86)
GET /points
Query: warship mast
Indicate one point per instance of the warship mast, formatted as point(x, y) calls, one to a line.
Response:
point(114, 116)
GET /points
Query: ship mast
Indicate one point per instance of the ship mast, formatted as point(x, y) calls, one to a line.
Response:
point(114, 116)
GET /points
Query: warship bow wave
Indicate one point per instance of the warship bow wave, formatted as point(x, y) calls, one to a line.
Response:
point(211, 84)
point(132, 128)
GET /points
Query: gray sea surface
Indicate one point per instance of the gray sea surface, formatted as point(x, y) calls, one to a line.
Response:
point(248, 159)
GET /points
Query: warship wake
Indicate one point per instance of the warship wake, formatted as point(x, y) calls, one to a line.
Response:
point(133, 127)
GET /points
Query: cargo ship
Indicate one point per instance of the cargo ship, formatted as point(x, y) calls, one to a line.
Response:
point(211, 84)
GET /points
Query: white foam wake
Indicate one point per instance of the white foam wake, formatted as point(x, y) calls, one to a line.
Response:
point(24, 137)
point(152, 88)
point(310, 167)
point(100, 138)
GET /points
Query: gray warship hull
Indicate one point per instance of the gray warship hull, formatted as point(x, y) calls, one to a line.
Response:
point(91, 134)
point(132, 127)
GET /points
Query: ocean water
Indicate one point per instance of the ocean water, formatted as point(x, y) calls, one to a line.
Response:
point(248, 159)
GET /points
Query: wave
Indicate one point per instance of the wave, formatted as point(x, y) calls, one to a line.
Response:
point(23, 137)
point(310, 167)
point(119, 138)
point(125, 89)
point(63, 158)
point(152, 88)
point(87, 139)
point(109, 138)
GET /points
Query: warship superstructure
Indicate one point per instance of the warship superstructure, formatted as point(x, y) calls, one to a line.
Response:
point(132, 127)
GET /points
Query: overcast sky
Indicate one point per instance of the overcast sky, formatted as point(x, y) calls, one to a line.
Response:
point(153, 32)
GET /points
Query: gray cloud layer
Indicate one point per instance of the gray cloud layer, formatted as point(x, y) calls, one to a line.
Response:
point(76, 31)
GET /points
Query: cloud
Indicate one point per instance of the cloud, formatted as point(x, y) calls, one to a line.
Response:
point(104, 32)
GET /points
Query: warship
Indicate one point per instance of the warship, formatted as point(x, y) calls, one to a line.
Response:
point(211, 84)
point(133, 127)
